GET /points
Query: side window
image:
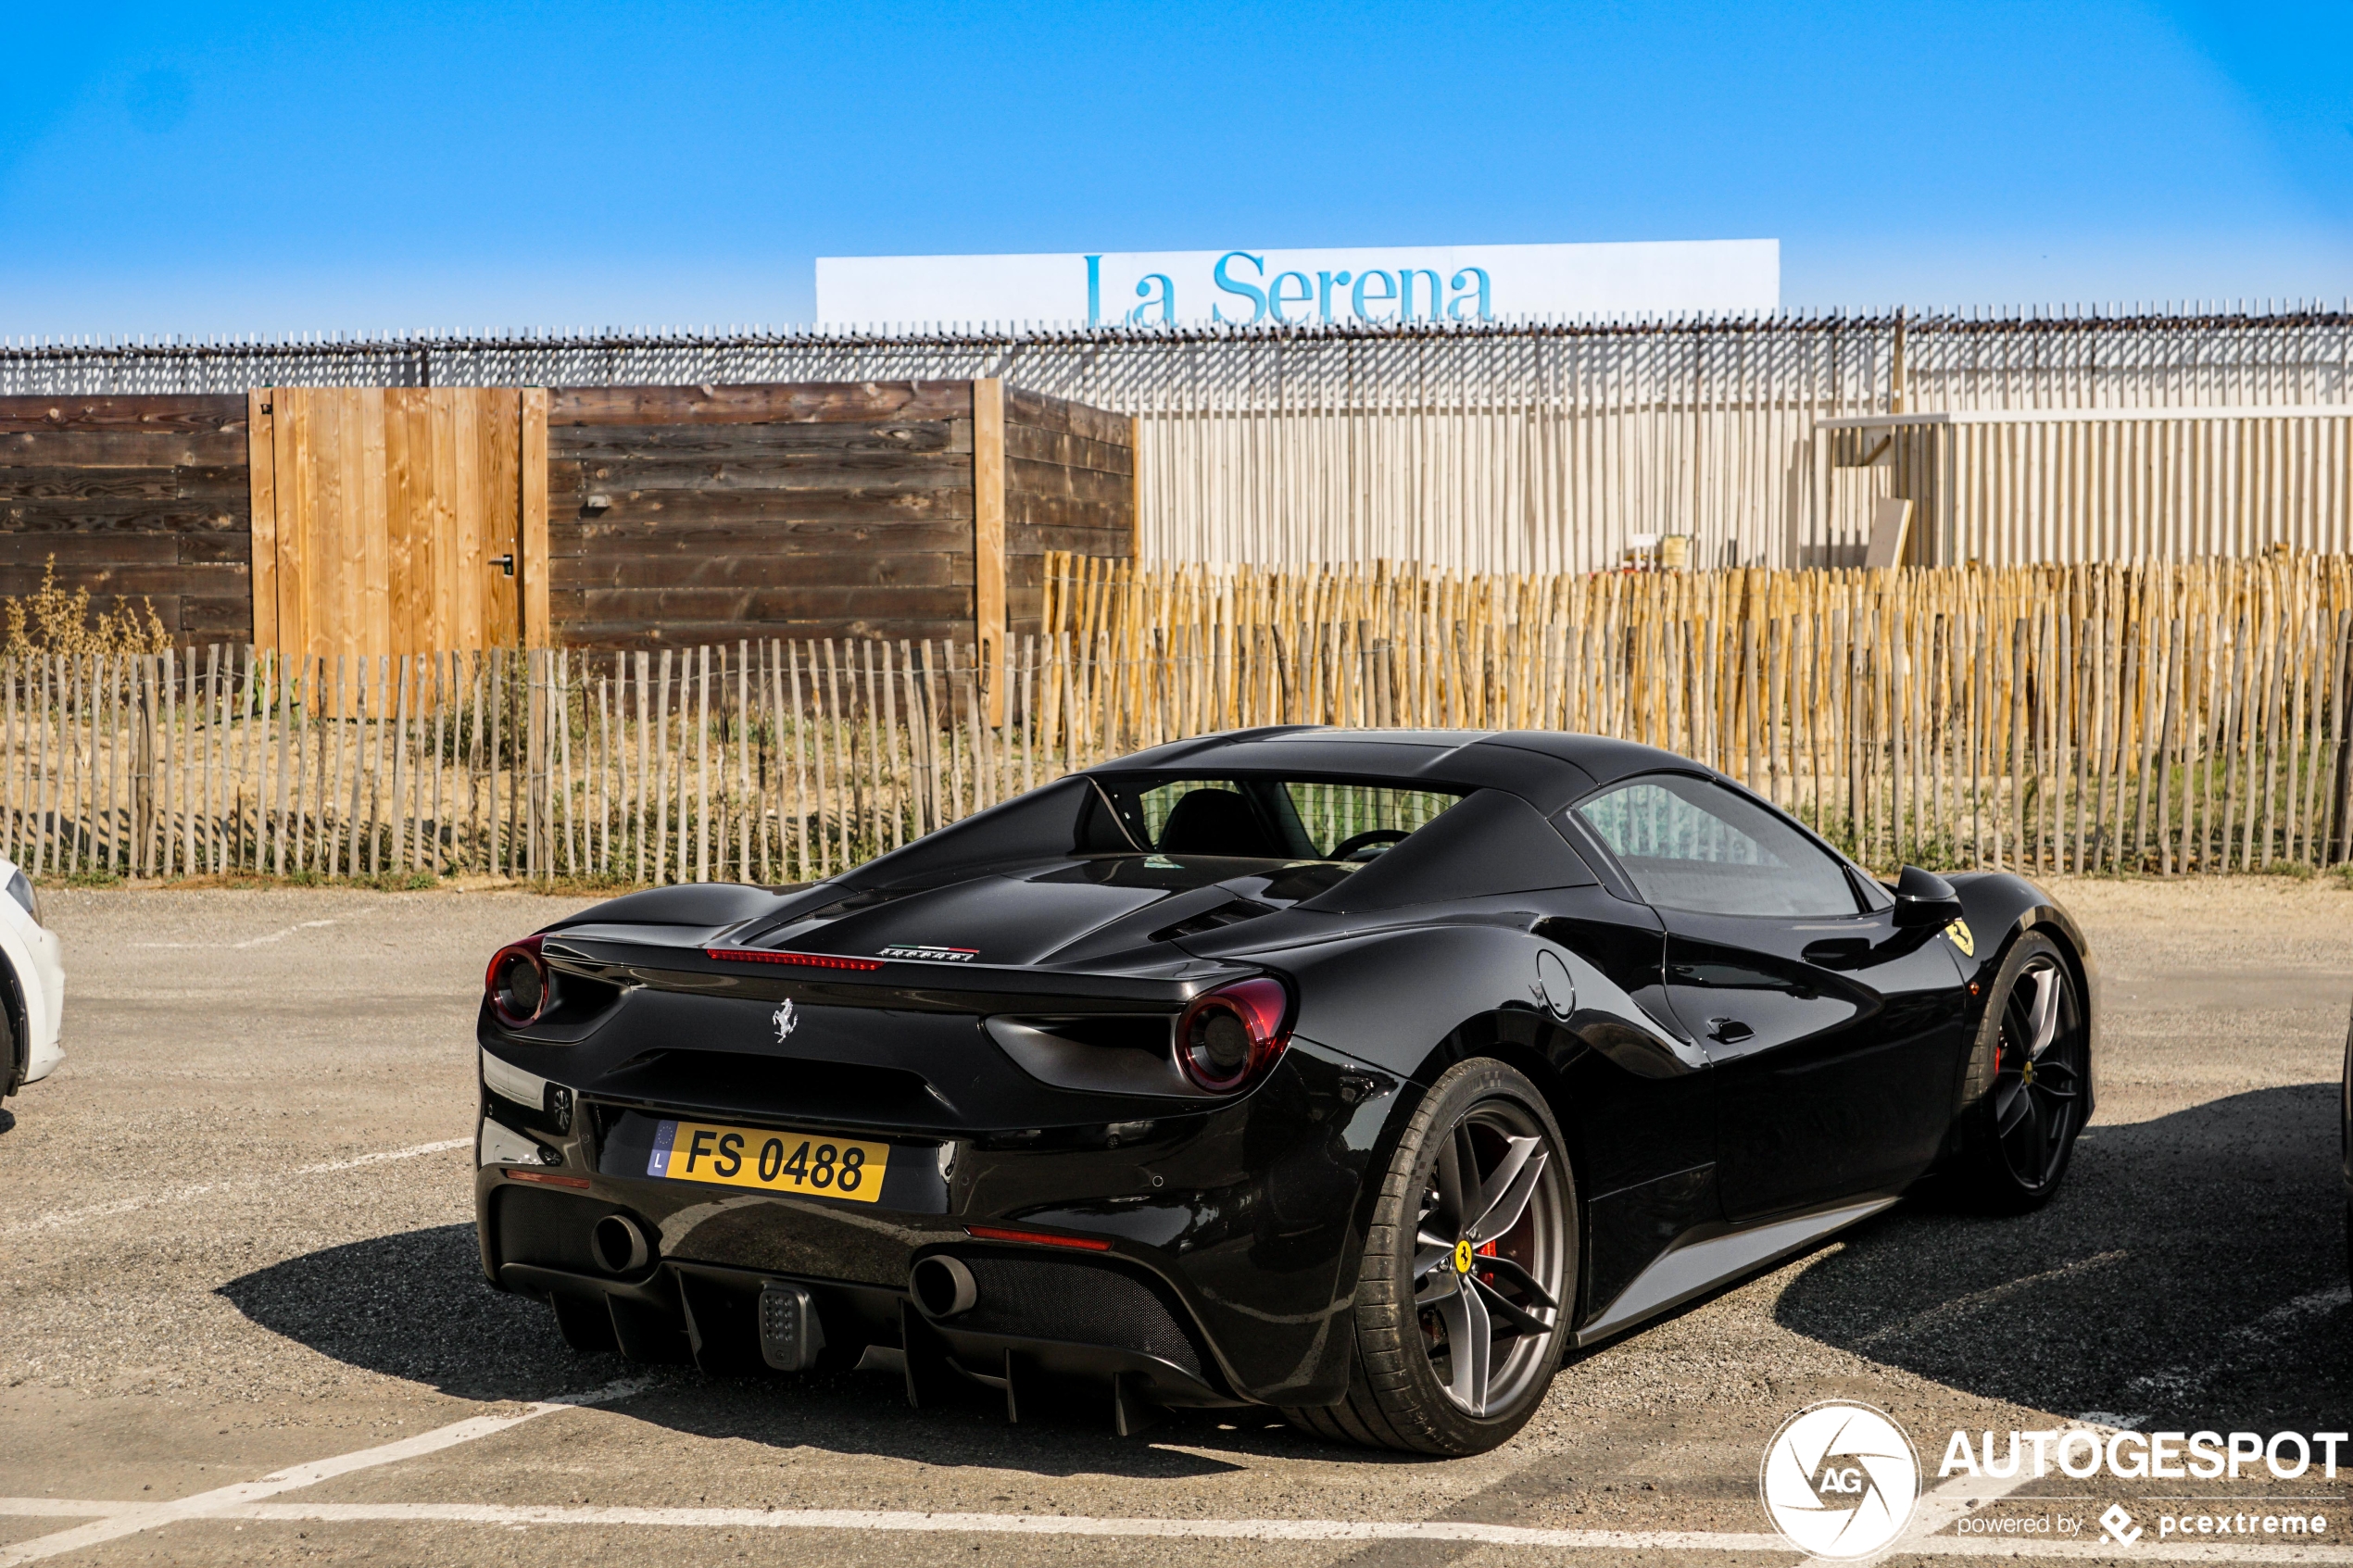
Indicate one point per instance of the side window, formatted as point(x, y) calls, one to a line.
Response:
point(1689, 843)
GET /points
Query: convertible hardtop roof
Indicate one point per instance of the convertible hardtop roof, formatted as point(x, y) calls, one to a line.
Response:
point(1546, 768)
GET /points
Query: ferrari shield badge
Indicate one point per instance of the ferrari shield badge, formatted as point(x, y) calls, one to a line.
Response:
point(1958, 931)
point(785, 1019)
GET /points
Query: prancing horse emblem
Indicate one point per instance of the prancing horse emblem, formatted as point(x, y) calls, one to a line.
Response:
point(785, 1019)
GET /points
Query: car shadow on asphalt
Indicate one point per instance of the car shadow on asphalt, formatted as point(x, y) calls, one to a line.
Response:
point(414, 1306)
point(2190, 1274)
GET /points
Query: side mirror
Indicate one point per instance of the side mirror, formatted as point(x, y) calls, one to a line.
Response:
point(1925, 899)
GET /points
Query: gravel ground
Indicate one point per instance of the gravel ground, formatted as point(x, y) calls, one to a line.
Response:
point(201, 1287)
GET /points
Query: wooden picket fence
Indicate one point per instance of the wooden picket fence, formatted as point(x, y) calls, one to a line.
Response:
point(767, 762)
point(2159, 719)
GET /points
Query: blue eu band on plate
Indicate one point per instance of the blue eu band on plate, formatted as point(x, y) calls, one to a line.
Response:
point(817, 1164)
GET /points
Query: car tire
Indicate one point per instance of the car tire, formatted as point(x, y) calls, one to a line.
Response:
point(1419, 1382)
point(16, 1050)
point(2029, 1079)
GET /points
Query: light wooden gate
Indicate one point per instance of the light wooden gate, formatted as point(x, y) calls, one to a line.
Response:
point(398, 520)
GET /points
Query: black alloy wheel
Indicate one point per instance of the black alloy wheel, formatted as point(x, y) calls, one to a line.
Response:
point(1468, 1276)
point(2027, 1080)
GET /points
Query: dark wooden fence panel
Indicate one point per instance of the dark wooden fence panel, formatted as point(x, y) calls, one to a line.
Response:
point(135, 497)
point(688, 514)
point(1070, 486)
point(676, 514)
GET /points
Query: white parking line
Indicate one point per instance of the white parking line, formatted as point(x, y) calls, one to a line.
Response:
point(1067, 1525)
point(2175, 1387)
point(62, 1217)
point(132, 1518)
point(255, 941)
point(1945, 1314)
point(58, 1508)
point(1940, 1505)
point(358, 1159)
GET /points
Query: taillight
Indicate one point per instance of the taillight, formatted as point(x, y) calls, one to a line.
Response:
point(520, 989)
point(1228, 1038)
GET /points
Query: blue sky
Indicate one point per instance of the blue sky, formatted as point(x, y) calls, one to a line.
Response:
point(220, 168)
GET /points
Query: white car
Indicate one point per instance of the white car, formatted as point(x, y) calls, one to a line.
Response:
point(32, 985)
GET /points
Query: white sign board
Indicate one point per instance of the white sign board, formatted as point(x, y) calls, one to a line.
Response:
point(1304, 287)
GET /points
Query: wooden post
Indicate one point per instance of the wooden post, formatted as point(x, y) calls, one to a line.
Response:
point(399, 699)
point(702, 766)
point(560, 811)
point(539, 839)
point(38, 787)
point(2339, 758)
point(601, 857)
point(662, 779)
point(531, 464)
point(444, 695)
point(635, 803)
point(476, 670)
point(262, 470)
point(11, 797)
point(747, 804)
point(988, 542)
point(496, 683)
point(799, 867)
point(836, 734)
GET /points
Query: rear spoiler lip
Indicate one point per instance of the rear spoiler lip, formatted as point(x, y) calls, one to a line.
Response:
point(924, 985)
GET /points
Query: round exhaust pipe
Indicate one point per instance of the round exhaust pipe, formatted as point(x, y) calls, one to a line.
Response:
point(942, 1286)
point(618, 1244)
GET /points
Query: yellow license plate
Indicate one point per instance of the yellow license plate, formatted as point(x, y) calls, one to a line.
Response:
point(817, 1164)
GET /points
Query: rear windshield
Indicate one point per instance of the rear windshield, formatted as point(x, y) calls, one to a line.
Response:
point(1276, 819)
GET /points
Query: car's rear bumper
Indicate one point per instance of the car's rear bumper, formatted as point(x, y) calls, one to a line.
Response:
point(1106, 1324)
point(1219, 1247)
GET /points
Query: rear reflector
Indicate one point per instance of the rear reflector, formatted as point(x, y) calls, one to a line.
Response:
point(546, 1180)
point(814, 960)
point(790, 1331)
point(1042, 1238)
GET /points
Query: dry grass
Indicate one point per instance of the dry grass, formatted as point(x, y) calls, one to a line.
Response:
point(52, 620)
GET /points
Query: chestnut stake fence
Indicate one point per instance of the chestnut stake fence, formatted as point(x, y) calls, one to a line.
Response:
point(2166, 719)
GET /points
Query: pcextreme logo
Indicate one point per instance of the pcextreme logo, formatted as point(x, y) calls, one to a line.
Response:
point(1839, 1480)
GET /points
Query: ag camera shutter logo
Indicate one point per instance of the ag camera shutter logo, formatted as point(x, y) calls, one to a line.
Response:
point(1839, 1480)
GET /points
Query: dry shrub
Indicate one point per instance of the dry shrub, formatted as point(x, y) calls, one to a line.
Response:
point(55, 622)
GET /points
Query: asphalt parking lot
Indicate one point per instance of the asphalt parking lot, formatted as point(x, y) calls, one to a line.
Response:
point(241, 1318)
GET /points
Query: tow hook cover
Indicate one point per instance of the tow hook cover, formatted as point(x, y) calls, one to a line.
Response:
point(790, 1334)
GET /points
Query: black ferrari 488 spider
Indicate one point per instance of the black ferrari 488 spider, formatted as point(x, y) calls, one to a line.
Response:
point(1359, 1074)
